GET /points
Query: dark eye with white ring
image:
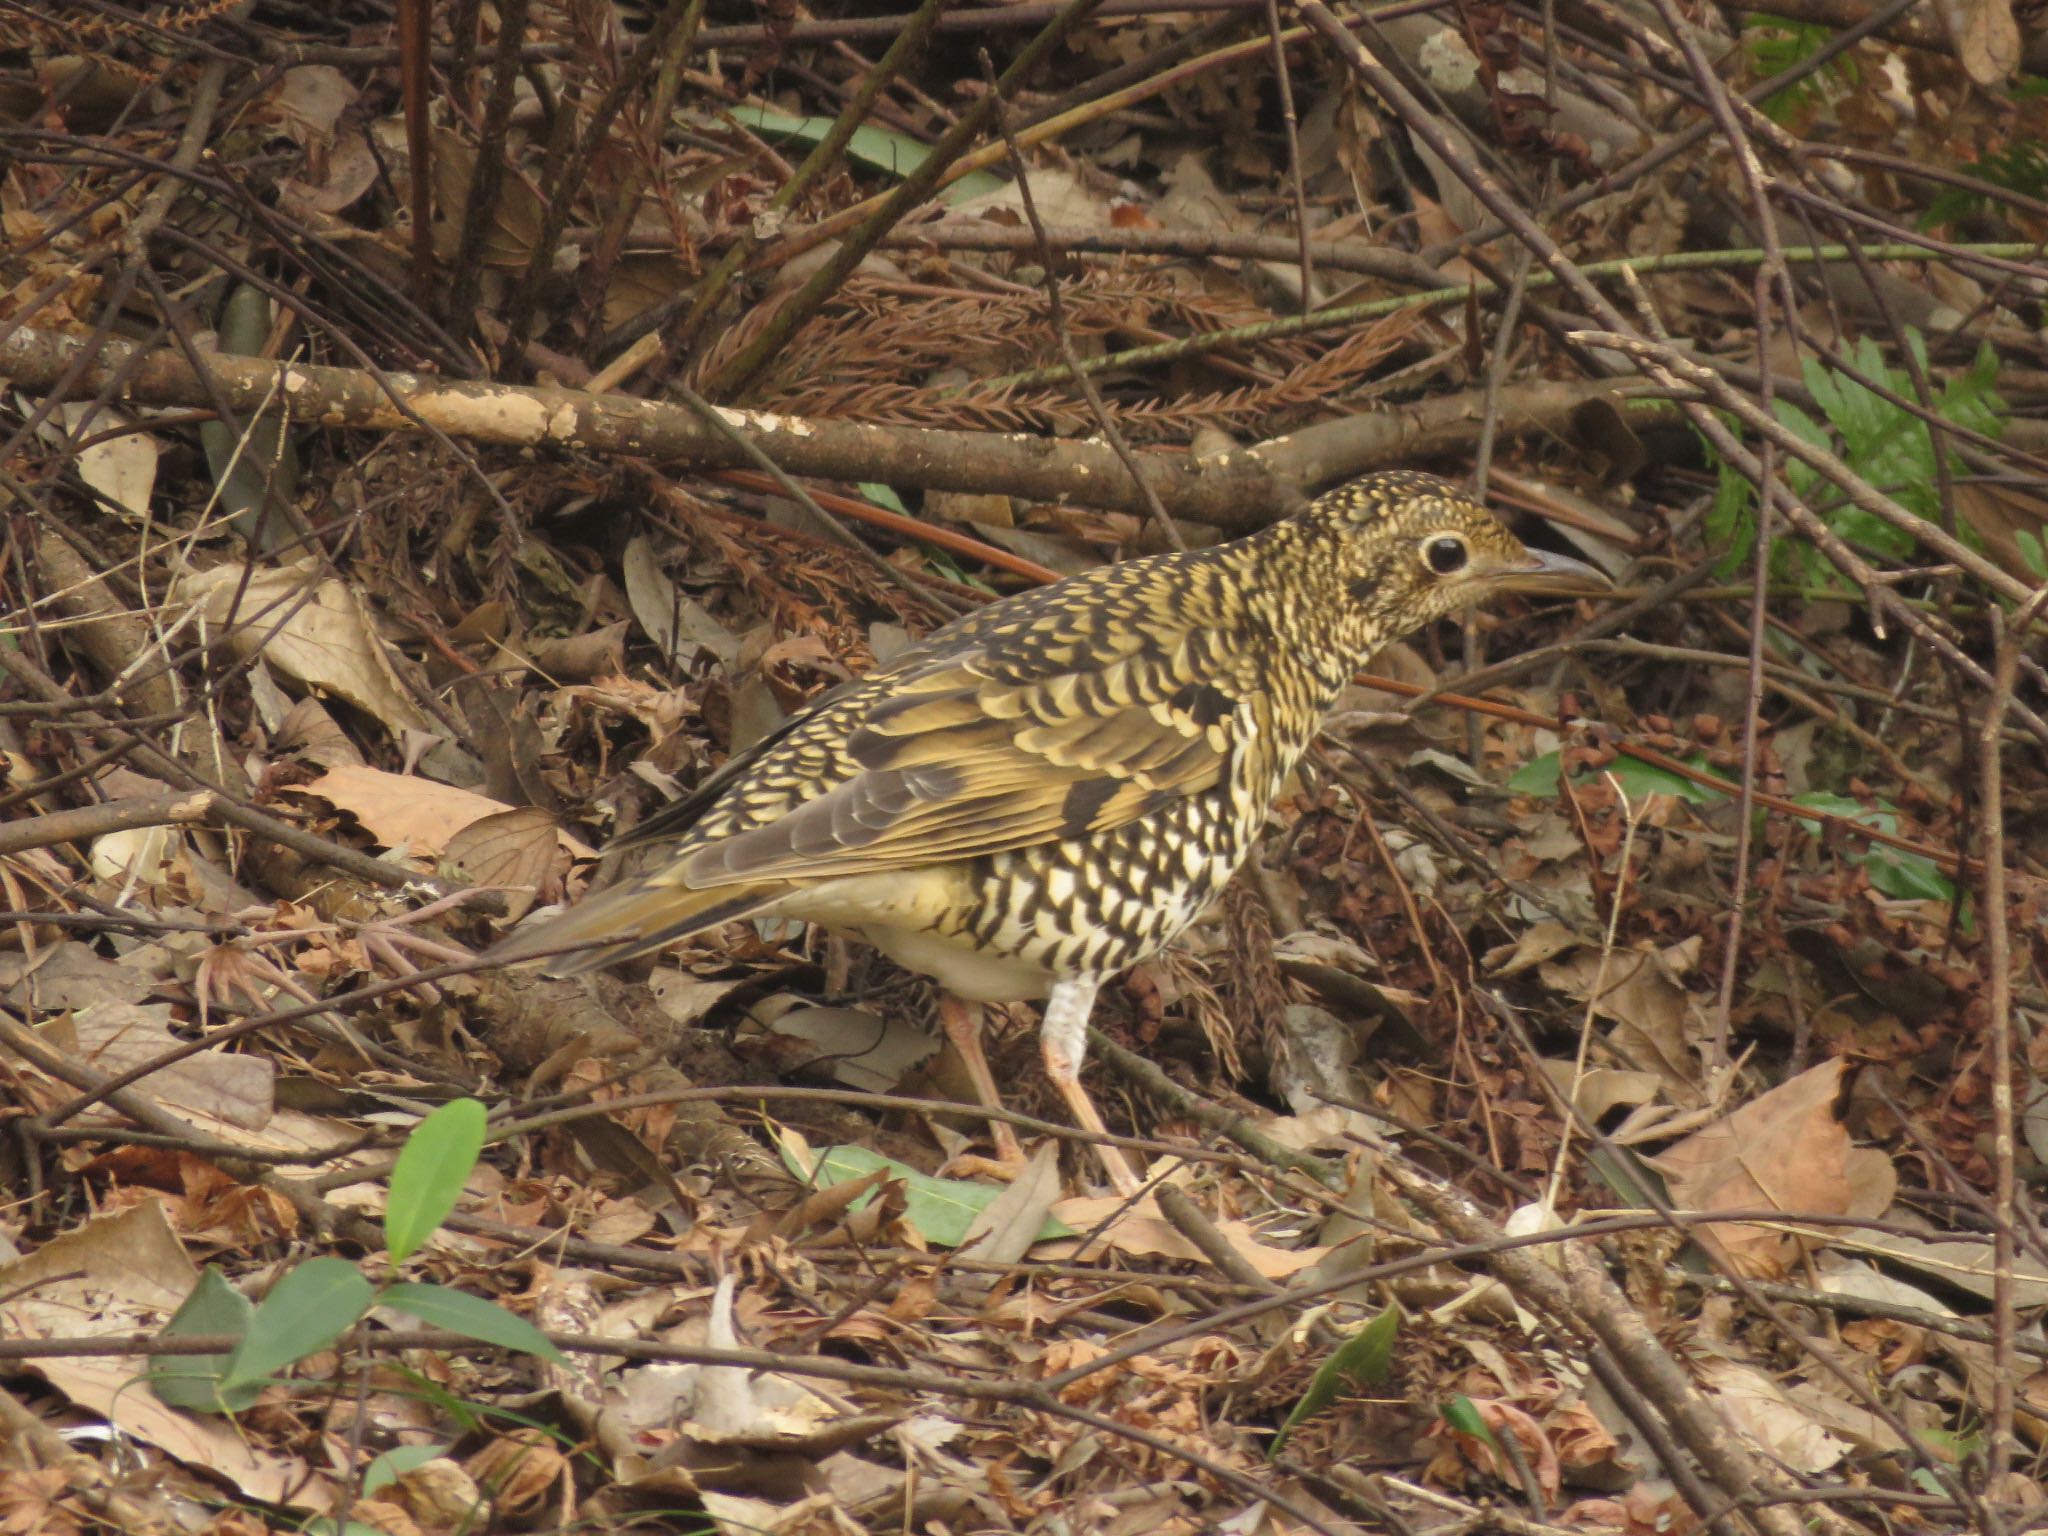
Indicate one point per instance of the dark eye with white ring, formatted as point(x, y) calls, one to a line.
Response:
point(1445, 554)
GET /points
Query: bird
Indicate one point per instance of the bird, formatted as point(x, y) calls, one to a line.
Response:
point(1049, 789)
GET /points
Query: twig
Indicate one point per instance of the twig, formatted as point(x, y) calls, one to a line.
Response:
point(711, 289)
point(732, 380)
point(1284, 77)
point(1343, 317)
point(1056, 315)
point(1235, 491)
point(1998, 1002)
point(488, 175)
point(1234, 1127)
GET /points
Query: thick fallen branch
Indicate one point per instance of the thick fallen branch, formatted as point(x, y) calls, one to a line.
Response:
point(1234, 491)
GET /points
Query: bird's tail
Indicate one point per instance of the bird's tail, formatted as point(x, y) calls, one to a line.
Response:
point(633, 918)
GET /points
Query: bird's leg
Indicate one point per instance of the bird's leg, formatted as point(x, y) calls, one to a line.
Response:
point(962, 1023)
point(1064, 1038)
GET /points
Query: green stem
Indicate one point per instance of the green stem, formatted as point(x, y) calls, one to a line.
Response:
point(1352, 314)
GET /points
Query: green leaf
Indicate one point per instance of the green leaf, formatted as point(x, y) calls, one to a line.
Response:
point(1898, 874)
point(1538, 776)
point(1731, 520)
point(940, 1209)
point(2030, 551)
point(1363, 1360)
point(1775, 44)
point(194, 1381)
point(395, 1463)
point(1907, 876)
point(884, 496)
point(1638, 778)
point(1881, 817)
point(463, 1313)
point(305, 1312)
point(893, 154)
point(432, 1167)
point(1462, 1416)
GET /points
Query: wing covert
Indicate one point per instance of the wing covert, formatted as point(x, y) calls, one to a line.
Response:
point(964, 758)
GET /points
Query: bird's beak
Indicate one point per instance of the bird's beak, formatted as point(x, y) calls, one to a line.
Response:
point(1543, 571)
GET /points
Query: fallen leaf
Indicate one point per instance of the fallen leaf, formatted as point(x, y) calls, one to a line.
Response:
point(309, 628)
point(1786, 1150)
point(1144, 1232)
point(1785, 1431)
point(124, 1275)
point(1004, 1229)
point(421, 815)
point(516, 850)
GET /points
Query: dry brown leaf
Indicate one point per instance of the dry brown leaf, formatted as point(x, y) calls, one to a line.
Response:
point(122, 469)
point(124, 1275)
point(861, 1049)
point(311, 629)
point(1786, 1150)
point(517, 850)
point(1003, 1231)
point(517, 1469)
point(216, 1085)
point(1144, 1232)
point(1986, 38)
point(676, 622)
point(1639, 990)
point(420, 815)
point(1785, 1431)
point(1964, 1264)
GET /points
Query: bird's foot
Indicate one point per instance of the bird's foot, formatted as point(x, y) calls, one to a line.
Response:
point(1127, 1181)
point(972, 1165)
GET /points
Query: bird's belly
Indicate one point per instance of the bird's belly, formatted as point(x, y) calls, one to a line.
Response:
point(1004, 927)
point(913, 917)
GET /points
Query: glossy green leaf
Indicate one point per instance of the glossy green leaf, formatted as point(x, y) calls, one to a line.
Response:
point(1538, 776)
point(941, 1210)
point(1636, 778)
point(1462, 1415)
point(893, 154)
point(460, 1312)
point(305, 1312)
point(195, 1381)
point(1363, 1360)
point(884, 496)
point(1908, 876)
point(427, 1180)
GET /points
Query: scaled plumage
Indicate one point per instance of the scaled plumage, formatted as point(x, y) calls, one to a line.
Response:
point(1048, 790)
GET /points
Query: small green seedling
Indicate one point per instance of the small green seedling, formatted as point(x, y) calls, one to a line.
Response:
point(316, 1302)
point(1363, 1360)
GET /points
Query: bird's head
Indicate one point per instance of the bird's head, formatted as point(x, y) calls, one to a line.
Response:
point(1410, 548)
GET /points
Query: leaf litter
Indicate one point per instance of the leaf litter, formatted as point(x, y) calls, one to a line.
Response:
point(468, 666)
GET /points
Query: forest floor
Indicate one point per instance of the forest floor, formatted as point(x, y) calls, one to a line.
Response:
point(1613, 1098)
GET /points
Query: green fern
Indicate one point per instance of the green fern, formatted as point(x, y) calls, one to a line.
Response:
point(1775, 44)
point(2022, 167)
point(1885, 444)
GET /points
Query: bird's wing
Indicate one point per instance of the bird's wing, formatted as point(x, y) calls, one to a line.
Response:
point(979, 749)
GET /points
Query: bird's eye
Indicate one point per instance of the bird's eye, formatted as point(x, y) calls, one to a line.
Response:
point(1445, 554)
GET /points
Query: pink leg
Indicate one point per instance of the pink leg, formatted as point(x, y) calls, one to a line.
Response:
point(963, 1027)
point(1064, 1037)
